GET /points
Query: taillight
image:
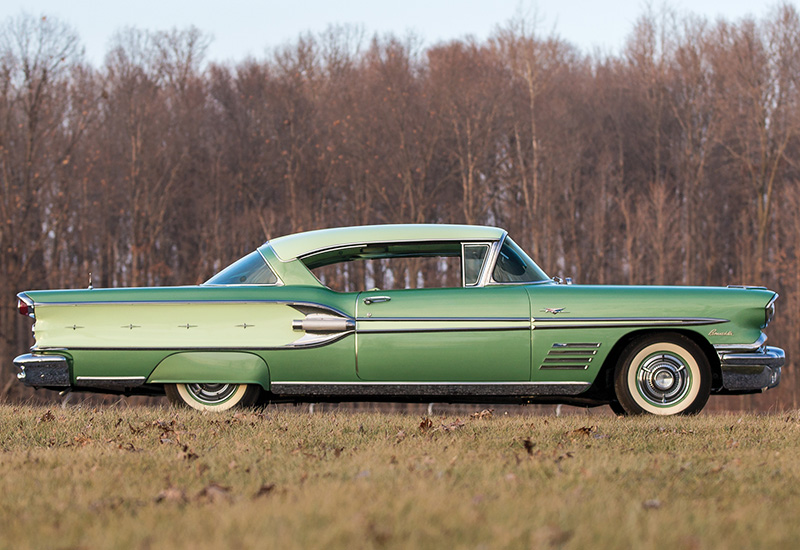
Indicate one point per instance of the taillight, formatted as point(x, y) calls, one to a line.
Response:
point(25, 307)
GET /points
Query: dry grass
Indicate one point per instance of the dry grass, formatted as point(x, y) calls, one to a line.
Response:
point(164, 478)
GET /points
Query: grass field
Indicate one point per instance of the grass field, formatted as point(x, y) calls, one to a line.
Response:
point(164, 478)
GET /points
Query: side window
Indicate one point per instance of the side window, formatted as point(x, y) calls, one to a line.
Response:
point(474, 257)
point(391, 266)
point(514, 266)
point(250, 270)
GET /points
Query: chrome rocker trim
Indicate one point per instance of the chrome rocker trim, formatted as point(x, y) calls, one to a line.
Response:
point(110, 382)
point(429, 389)
point(43, 371)
point(751, 372)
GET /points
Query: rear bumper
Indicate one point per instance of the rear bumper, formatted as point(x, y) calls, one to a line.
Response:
point(43, 371)
point(751, 371)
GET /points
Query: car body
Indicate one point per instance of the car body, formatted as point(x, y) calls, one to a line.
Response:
point(497, 330)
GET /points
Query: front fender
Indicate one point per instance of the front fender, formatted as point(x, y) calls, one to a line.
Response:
point(231, 367)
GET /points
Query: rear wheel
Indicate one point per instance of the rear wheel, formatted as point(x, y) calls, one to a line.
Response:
point(213, 397)
point(662, 374)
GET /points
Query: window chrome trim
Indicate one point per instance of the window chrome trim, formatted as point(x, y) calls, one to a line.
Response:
point(491, 260)
point(464, 245)
point(342, 246)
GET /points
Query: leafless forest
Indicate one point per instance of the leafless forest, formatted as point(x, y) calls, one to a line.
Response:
point(672, 162)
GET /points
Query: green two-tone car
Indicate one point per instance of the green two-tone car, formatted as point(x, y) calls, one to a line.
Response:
point(416, 313)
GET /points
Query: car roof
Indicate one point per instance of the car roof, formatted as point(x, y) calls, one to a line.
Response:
point(304, 244)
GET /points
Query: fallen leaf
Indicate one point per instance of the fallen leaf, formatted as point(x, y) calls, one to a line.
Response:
point(585, 431)
point(264, 490)
point(172, 494)
point(528, 444)
point(214, 492)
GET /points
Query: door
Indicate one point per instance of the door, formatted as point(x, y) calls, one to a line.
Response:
point(444, 335)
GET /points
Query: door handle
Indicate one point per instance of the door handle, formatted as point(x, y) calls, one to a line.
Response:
point(376, 299)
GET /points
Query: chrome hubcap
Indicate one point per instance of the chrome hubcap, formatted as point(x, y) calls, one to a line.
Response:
point(663, 379)
point(211, 393)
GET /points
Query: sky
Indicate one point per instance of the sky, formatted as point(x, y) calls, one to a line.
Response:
point(242, 28)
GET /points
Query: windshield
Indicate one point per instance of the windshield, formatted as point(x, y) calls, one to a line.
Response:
point(514, 266)
point(250, 270)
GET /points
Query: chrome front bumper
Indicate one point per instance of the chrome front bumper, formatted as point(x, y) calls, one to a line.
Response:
point(751, 371)
point(38, 371)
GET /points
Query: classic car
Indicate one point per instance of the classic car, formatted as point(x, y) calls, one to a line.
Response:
point(462, 315)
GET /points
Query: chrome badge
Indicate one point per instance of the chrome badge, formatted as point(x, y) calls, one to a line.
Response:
point(553, 310)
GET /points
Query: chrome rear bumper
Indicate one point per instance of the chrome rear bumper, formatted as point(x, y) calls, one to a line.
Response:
point(43, 370)
point(751, 371)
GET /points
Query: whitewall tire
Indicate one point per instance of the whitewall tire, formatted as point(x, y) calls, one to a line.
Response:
point(662, 374)
point(212, 397)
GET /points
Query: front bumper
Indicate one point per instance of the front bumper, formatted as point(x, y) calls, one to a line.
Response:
point(751, 371)
point(43, 371)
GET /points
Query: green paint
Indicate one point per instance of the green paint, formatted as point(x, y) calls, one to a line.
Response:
point(212, 367)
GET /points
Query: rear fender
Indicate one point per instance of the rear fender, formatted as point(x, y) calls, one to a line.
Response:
point(231, 367)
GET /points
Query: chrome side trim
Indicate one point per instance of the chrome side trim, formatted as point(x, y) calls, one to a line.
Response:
point(439, 329)
point(111, 378)
point(198, 301)
point(570, 356)
point(320, 328)
point(623, 322)
point(294, 345)
point(721, 348)
point(456, 324)
point(373, 383)
point(445, 319)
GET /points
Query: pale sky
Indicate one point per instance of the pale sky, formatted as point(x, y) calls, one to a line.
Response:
point(252, 27)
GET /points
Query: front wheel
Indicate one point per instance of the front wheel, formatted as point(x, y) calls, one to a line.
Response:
point(213, 397)
point(662, 374)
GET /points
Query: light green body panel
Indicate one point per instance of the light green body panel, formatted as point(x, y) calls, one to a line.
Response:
point(438, 335)
point(93, 327)
point(300, 244)
point(194, 325)
point(212, 367)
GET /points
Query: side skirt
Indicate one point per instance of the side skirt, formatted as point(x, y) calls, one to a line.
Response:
point(409, 390)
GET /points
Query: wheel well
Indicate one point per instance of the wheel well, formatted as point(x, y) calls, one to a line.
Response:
point(604, 382)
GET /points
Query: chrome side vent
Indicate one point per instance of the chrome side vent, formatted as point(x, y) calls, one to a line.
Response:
point(570, 356)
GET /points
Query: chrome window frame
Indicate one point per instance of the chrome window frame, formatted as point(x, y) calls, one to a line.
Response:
point(489, 275)
point(464, 245)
